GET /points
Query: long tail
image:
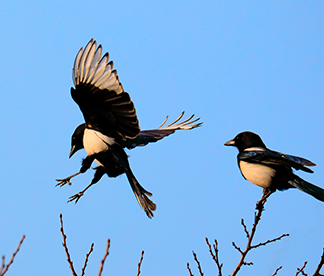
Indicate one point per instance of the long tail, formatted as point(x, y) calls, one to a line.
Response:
point(307, 187)
point(141, 194)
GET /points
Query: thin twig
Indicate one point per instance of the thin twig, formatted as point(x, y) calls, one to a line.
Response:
point(198, 263)
point(269, 241)
point(280, 267)
point(2, 264)
point(139, 264)
point(257, 217)
point(66, 249)
point(301, 270)
point(215, 256)
point(317, 272)
point(245, 229)
point(237, 248)
point(250, 236)
point(104, 257)
point(4, 268)
point(189, 270)
point(86, 260)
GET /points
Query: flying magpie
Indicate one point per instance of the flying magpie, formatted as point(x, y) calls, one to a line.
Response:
point(144, 137)
point(111, 123)
point(269, 169)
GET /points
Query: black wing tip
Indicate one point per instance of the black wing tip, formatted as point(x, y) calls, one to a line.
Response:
point(310, 164)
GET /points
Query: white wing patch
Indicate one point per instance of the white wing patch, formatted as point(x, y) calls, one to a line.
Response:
point(254, 149)
point(88, 68)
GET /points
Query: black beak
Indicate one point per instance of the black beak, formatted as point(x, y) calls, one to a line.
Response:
point(230, 143)
point(73, 151)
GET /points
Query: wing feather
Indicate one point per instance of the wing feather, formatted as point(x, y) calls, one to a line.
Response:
point(100, 69)
point(75, 74)
point(94, 64)
point(105, 105)
point(273, 158)
point(149, 136)
point(88, 61)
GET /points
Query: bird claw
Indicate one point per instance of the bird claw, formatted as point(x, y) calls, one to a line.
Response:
point(64, 181)
point(76, 197)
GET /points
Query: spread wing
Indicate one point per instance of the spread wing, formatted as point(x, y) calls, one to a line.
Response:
point(269, 157)
point(153, 135)
point(103, 102)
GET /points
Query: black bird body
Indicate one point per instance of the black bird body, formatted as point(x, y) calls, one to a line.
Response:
point(269, 169)
point(111, 123)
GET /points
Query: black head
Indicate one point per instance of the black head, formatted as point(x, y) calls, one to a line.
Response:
point(246, 140)
point(77, 139)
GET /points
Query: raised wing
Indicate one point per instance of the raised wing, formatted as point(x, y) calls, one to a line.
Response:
point(105, 105)
point(269, 157)
point(153, 135)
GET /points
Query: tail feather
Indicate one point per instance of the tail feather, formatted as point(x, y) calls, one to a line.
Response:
point(141, 195)
point(307, 187)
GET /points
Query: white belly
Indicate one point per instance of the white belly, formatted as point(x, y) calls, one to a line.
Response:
point(94, 141)
point(257, 174)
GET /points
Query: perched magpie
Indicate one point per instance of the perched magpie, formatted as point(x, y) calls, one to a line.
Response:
point(269, 169)
point(110, 124)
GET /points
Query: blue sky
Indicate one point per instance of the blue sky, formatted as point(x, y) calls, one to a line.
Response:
point(237, 65)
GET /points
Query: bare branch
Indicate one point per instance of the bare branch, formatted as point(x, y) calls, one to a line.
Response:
point(2, 264)
point(104, 257)
point(269, 241)
point(301, 270)
point(87, 255)
point(237, 248)
point(250, 236)
point(199, 267)
point(139, 264)
point(4, 268)
point(245, 229)
point(86, 260)
point(189, 270)
point(66, 249)
point(215, 256)
point(317, 272)
point(280, 267)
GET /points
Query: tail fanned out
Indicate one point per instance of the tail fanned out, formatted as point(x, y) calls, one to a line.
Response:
point(307, 187)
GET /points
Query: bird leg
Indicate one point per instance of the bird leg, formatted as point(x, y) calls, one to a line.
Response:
point(86, 163)
point(100, 171)
point(66, 180)
point(262, 201)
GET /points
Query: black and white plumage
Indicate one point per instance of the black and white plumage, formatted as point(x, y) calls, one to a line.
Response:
point(144, 137)
point(110, 124)
point(269, 169)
